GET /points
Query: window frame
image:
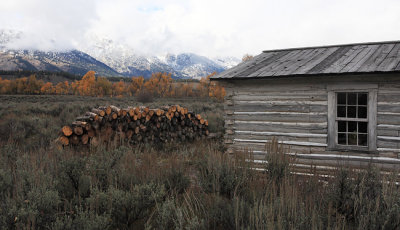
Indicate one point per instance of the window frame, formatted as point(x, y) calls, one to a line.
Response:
point(371, 89)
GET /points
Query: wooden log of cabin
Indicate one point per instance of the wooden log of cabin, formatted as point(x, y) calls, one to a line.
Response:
point(330, 104)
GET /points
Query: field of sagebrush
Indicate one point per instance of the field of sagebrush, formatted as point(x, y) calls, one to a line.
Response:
point(179, 186)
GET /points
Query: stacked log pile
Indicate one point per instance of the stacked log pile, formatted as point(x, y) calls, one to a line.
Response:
point(135, 125)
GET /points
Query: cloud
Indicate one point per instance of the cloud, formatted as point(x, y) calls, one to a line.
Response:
point(207, 27)
point(48, 24)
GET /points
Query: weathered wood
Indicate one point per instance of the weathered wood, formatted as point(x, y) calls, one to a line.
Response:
point(300, 143)
point(281, 117)
point(282, 134)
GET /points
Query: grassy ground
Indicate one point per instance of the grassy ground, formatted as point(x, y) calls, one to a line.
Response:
point(34, 121)
point(189, 186)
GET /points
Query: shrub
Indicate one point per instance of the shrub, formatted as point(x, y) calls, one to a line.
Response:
point(84, 220)
point(72, 180)
point(44, 206)
point(219, 174)
point(176, 181)
point(6, 183)
point(131, 206)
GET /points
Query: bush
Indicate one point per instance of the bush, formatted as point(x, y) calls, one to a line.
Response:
point(84, 220)
point(72, 181)
point(6, 183)
point(131, 206)
point(176, 181)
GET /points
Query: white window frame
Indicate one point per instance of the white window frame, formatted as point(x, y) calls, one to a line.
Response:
point(372, 90)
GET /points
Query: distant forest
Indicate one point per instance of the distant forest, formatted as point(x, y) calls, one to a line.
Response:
point(158, 85)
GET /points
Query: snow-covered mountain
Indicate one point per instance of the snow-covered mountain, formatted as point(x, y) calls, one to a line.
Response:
point(127, 61)
point(108, 58)
point(74, 61)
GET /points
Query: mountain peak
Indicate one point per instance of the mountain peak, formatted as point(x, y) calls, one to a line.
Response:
point(108, 58)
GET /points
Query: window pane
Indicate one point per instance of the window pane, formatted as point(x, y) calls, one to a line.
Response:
point(341, 111)
point(362, 112)
point(352, 139)
point(341, 97)
point(351, 98)
point(342, 126)
point(342, 139)
point(352, 126)
point(363, 139)
point(362, 99)
point(363, 127)
point(351, 111)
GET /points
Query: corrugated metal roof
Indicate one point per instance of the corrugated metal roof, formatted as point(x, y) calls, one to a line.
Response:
point(379, 57)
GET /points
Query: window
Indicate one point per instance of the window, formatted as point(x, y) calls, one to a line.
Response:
point(352, 117)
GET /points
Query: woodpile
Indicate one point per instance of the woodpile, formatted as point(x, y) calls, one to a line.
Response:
point(135, 125)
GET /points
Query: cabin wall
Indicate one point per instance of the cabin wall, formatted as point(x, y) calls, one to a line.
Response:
point(294, 111)
point(388, 117)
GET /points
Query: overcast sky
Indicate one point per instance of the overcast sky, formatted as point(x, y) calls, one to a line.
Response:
point(206, 27)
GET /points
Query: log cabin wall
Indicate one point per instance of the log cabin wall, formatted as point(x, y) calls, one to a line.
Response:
point(295, 112)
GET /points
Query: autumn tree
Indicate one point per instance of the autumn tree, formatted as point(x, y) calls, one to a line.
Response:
point(160, 84)
point(33, 85)
point(119, 89)
point(247, 57)
point(86, 86)
point(136, 85)
point(103, 87)
point(47, 88)
point(5, 86)
point(62, 88)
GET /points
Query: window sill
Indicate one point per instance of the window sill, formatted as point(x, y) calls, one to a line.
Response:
point(352, 149)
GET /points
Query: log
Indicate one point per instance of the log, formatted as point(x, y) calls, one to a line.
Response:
point(159, 112)
point(108, 110)
point(74, 139)
point(131, 112)
point(67, 131)
point(91, 115)
point(85, 139)
point(99, 112)
point(78, 130)
point(123, 112)
point(83, 119)
point(137, 110)
point(63, 140)
point(91, 133)
point(114, 115)
point(135, 124)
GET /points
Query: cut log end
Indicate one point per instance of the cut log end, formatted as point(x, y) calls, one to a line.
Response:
point(67, 130)
point(63, 140)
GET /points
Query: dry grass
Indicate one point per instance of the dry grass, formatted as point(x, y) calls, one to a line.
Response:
point(193, 186)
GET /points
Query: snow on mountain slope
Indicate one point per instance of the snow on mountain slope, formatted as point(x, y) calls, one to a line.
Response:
point(125, 60)
point(108, 58)
point(72, 61)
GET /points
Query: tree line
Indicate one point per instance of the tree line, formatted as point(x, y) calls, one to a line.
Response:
point(158, 85)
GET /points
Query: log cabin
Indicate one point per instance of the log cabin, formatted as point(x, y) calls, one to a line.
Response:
point(326, 104)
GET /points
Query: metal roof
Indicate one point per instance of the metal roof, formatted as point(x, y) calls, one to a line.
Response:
point(379, 57)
